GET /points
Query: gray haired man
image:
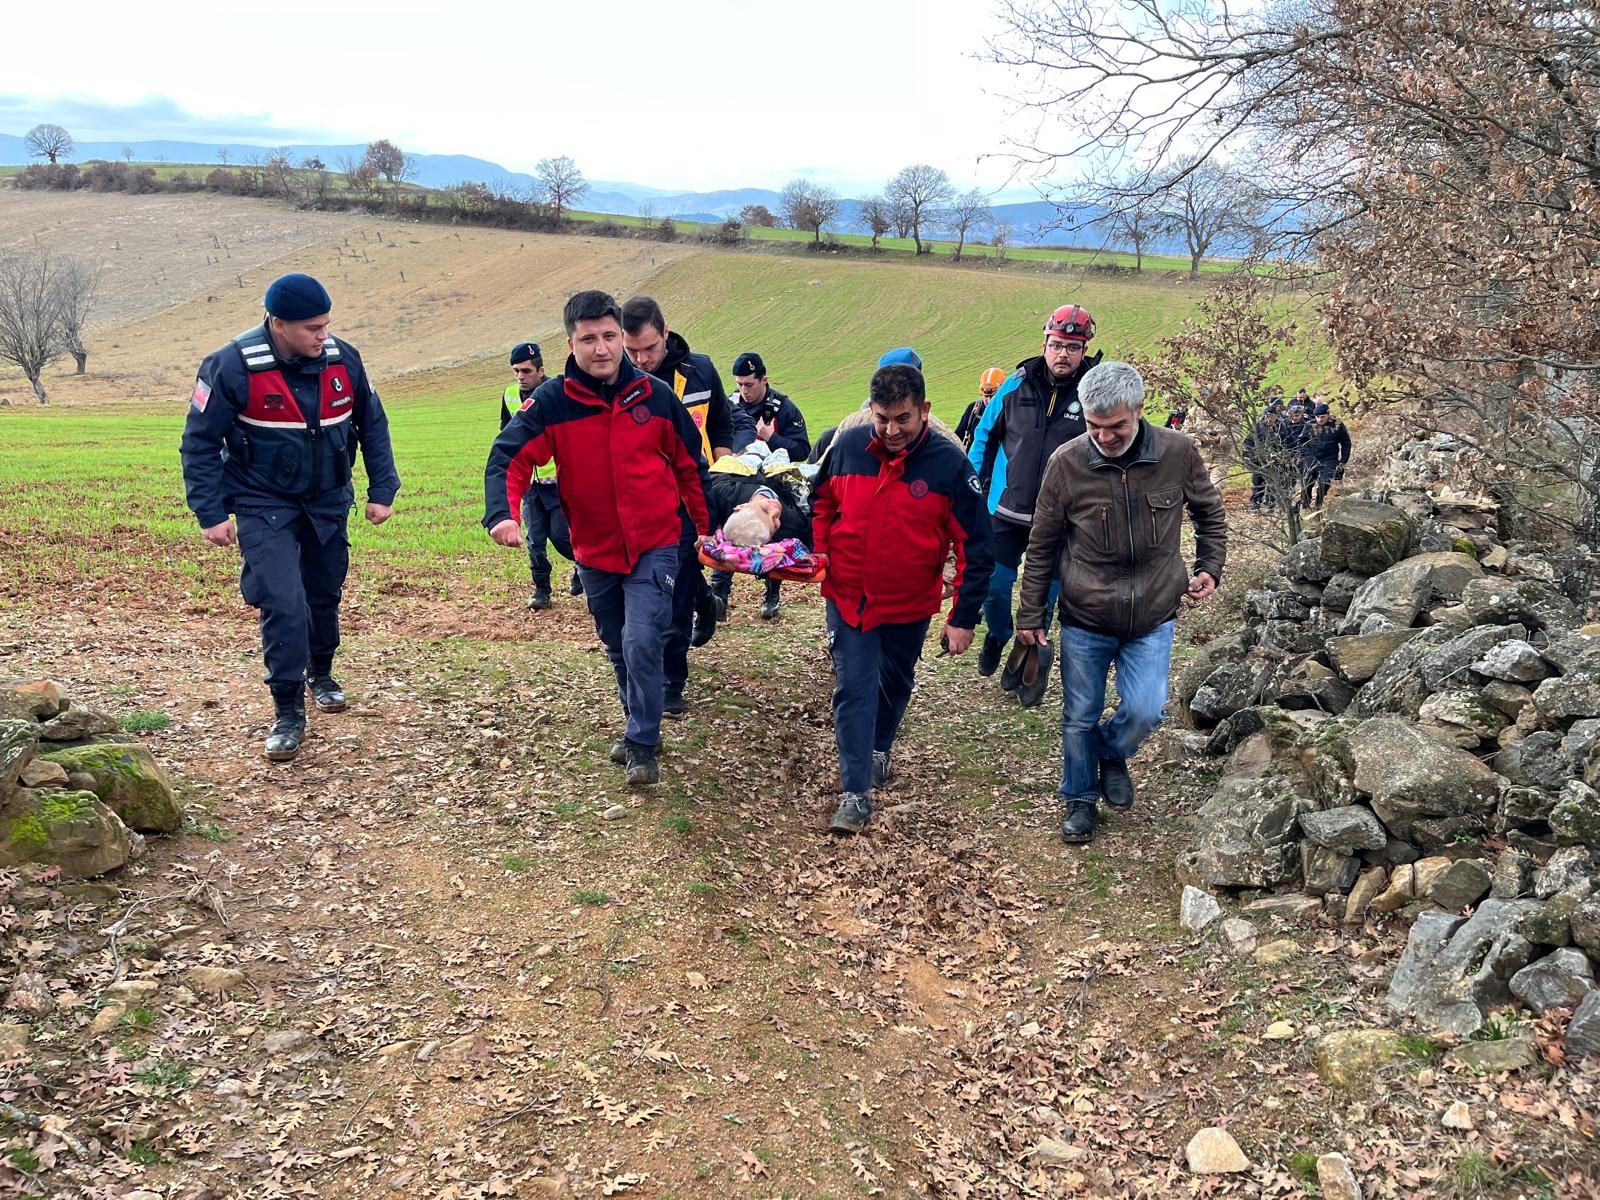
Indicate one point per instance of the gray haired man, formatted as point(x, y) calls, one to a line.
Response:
point(1108, 519)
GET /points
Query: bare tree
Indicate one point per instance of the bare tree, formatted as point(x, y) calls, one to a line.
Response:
point(968, 213)
point(1205, 202)
point(807, 205)
point(75, 288)
point(1136, 222)
point(127, 154)
point(900, 213)
point(313, 162)
point(280, 169)
point(384, 158)
point(876, 216)
point(43, 301)
point(49, 142)
point(920, 190)
point(224, 155)
point(647, 215)
point(562, 182)
point(410, 168)
point(1000, 239)
point(758, 214)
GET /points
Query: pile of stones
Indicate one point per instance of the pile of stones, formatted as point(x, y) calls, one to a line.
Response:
point(1410, 719)
point(75, 792)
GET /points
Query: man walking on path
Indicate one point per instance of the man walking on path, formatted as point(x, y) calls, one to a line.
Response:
point(629, 469)
point(891, 501)
point(1323, 456)
point(1035, 412)
point(691, 377)
point(543, 522)
point(1108, 521)
point(271, 436)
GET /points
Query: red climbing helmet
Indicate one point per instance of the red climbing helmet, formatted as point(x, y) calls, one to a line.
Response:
point(1070, 321)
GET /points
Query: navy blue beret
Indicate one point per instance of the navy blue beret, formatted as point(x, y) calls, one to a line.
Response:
point(526, 352)
point(749, 363)
point(901, 355)
point(1319, 410)
point(297, 298)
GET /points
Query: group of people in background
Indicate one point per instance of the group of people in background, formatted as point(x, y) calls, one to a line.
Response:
point(1295, 453)
point(634, 464)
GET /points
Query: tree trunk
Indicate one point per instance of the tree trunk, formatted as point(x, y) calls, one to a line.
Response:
point(81, 357)
point(916, 234)
point(38, 389)
point(960, 242)
point(1194, 265)
point(1138, 260)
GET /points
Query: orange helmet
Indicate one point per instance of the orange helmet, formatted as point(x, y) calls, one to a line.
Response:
point(989, 382)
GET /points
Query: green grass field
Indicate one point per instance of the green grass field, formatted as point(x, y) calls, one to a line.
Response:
point(92, 496)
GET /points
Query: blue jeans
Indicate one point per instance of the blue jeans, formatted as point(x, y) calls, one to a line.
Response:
point(1010, 543)
point(873, 674)
point(1142, 668)
point(632, 614)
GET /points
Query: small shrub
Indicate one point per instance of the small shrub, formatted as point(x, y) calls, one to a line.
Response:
point(141, 1153)
point(516, 863)
point(666, 230)
point(591, 896)
point(607, 228)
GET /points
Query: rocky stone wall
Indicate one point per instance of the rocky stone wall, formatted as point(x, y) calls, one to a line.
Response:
point(75, 792)
point(1410, 723)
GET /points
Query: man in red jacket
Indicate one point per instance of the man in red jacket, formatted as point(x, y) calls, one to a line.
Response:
point(628, 458)
point(890, 502)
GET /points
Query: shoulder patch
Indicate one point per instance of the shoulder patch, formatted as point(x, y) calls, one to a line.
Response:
point(975, 485)
point(201, 394)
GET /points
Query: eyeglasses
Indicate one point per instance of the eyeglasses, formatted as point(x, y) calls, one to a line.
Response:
point(1065, 347)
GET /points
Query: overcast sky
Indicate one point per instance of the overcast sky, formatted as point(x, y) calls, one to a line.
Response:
point(708, 94)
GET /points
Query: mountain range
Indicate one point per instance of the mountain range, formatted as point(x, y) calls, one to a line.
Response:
point(1033, 223)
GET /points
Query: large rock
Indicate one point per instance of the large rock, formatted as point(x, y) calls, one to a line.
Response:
point(1410, 775)
point(1449, 573)
point(1462, 884)
point(1321, 694)
point(128, 781)
point(1539, 760)
point(1219, 652)
point(1365, 536)
point(1348, 1057)
point(1358, 656)
point(1570, 869)
point(18, 740)
point(1396, 595)
point(1450, 665)
point(1228, 689)
point(1514, 661)
point(1496, 600)
point(1566, 697)
point(1247, 832)
point(1461, 718)
point(1214, 1152)
point(1347, 829)
point(1575, 816)
point(1454, 970)
point(1583, 1031)
point(1340, 590)
point(1197, 909)
point(1507, 698)
point(1304, 561)
point(1584, 925)
point(1327, 872)
point(1397, 685)
point(1335, 1179)
point(75, 724)
point(1558, 980)
point(1575, 654)
point(69, 829)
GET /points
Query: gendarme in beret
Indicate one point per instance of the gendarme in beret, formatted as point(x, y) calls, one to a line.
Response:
point(749, 363)
point(297, 297)
point(527, 352)
point(901, 356)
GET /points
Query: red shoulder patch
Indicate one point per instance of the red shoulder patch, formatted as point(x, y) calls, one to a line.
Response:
point(201, 394)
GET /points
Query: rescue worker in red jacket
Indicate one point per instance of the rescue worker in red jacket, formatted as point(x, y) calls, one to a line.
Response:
point(274, 423)
point(629, 463)
point(890, 502)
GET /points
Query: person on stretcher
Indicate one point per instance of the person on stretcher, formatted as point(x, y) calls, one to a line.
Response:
point(761, 533)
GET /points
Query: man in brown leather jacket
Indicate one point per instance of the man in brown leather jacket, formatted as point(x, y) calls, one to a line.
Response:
point(1108, 519)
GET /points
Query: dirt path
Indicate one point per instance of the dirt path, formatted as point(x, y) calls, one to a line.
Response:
point(463, 981)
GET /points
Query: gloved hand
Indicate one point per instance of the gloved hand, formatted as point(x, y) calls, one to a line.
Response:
point(1338, 473)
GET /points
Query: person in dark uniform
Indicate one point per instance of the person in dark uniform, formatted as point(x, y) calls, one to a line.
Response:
point(1323, 456)
point(779, 425)
point(274, 423)
point(543, 522)
point(662, 352)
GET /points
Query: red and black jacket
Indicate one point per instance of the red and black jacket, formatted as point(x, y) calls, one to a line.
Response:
point(887, 524)
point(629, 460)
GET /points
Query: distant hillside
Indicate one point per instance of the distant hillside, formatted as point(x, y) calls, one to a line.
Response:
point(1033, 223)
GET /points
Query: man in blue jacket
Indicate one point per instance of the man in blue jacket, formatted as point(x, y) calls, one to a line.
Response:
point(274, 423)
point(1034, 414)
point(543, 522)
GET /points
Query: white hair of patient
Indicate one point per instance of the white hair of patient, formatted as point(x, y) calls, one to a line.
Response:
point(747, 527)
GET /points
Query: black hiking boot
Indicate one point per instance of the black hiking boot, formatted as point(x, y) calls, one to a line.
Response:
point(855, 810)
point(989, 655)
point(1035, 678)
point(1078, 822)
point(325, 691)
point(619, 751)
point(1116, 785)
point(541, 598)
point(705, 618)
point(672, 704)
point(640, 760)
point(575, 588)
point(771, 603)
point(289, 728)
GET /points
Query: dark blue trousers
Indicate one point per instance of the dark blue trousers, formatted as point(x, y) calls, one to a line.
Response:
point(293, 572)
point(686, 591)
point(544, 523)
point(632, 614)
point(873, 674)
